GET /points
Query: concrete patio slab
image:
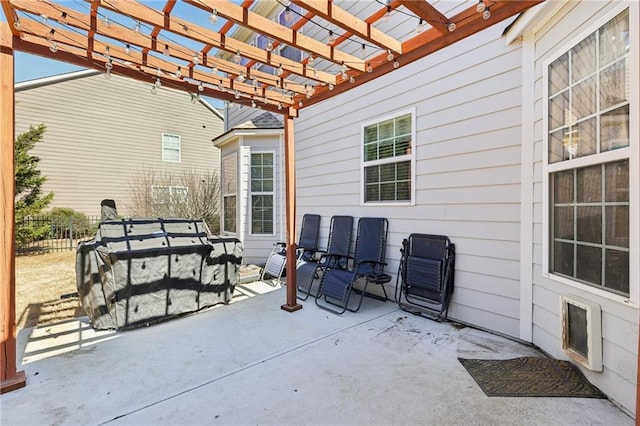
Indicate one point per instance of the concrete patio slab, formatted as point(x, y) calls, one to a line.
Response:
point(252, 363)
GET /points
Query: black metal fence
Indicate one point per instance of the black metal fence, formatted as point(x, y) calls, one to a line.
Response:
point(64, 233)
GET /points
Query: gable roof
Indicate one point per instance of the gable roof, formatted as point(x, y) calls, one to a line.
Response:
point(265, 120)
point(265, 123)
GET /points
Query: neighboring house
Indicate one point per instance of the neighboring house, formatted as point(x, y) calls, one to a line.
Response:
point(252, 194)
point(520, 143)
point(103, 134)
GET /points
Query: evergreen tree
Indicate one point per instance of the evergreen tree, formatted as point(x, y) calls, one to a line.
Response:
point(29, 198)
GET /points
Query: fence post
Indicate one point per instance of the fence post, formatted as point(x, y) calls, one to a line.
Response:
point(70, 233)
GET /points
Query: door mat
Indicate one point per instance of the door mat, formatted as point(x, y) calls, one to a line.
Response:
point(530, 376)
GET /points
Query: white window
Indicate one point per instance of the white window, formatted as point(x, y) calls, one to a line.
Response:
point(262, 192)
point(588, 141)
point(170, 148)
point(167, 200)
point(229, 193)
point(388, 159)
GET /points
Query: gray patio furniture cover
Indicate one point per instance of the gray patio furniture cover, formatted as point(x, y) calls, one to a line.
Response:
point(139, 271)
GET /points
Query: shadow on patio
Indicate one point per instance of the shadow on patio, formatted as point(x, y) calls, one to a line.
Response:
point(253, 363)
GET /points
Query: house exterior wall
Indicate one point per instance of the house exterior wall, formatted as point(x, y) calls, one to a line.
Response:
point(619, 325)
point(102, 133)
point(467, 100)
point(256, 247)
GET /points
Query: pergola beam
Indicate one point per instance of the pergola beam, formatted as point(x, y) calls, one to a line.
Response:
point(200, 34)
point(286, 35)
point(468, 22)
point(424, 10)
point(350, 23)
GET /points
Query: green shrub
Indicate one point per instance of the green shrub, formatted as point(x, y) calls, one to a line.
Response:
point(65, 220)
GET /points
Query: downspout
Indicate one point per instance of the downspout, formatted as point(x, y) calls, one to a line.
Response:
point(10, 379)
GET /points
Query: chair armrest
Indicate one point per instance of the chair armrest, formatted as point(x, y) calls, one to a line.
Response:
point(333, 260)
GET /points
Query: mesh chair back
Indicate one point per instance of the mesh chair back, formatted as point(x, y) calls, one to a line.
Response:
point(309, 231)
point(341, 231)
point(428, 246)
point(371, 242)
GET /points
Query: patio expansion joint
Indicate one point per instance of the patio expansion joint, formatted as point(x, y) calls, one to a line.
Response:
point(250, 365)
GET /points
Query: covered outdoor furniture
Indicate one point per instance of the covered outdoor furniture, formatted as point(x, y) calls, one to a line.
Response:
point(367, 262)
point(139, 271)
point(338, 246)
point(426, 275)
point(307, 246)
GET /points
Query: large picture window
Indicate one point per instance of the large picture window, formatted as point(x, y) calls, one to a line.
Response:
point(388, 159)
point(588, 159)
point(229, 193)
point(262, 184)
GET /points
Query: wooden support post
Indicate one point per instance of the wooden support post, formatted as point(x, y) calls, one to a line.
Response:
point(10, 379)
point(290, 173)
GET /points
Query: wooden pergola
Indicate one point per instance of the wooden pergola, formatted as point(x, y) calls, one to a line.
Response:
point(149, 42)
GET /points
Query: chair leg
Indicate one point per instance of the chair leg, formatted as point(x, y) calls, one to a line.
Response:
point(375, 279)
point(305, 274)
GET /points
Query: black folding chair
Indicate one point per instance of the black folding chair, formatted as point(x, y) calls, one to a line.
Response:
point(338, 246)
point(341, 272)
point(307, 245)
point(426, 275)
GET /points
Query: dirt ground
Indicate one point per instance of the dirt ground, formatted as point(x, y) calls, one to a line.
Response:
point(41, 280)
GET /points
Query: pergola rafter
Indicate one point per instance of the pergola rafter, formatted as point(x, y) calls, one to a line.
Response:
point(206, 68)
point(183, 55)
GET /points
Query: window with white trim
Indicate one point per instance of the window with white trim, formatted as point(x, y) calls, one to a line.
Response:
point(588, 159)
point(388, 159)
point(170, 148)
point(262, 193)
point(229, 193)
point(168, 199)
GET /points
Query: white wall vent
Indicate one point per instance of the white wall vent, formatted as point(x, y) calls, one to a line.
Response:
point(582, 331)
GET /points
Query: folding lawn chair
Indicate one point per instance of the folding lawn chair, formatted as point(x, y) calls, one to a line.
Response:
point(426, 273)
point(368, 262)
point(338, 246)
point(307, 245)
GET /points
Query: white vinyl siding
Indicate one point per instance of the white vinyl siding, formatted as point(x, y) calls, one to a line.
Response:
point(170, 148)
point(102, 134)
point(467, 157)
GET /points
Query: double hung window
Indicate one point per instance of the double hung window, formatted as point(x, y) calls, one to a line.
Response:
point(588, 159)
point(170, 148)
point(262, 194)
point(388, 159)
point(229, 193)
